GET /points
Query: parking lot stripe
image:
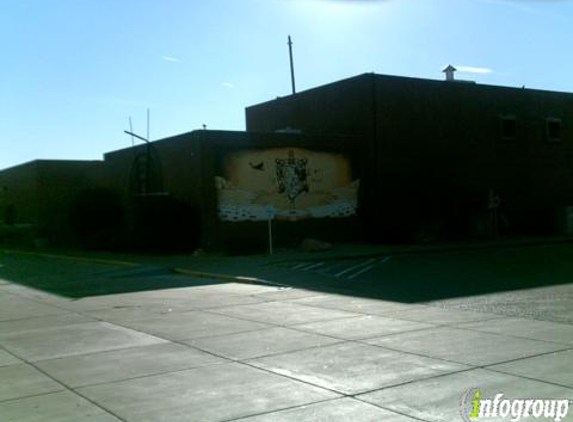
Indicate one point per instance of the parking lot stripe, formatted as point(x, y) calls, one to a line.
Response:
point(362, 271)
point(354, 267)
point(312, 266)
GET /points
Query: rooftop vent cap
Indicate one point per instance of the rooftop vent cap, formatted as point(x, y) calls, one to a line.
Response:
point(449, 71)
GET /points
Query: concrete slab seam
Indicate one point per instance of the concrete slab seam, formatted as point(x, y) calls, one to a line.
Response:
point(481, 331)
point(243, 318)
point(32, 396)
point(473, 366)
point(65, 386)
point(270, 412)
point(389, 409)
point(527, 378)
point(362, 340)
point(352, 395)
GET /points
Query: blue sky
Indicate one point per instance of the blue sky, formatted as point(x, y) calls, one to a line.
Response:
point(73, 71)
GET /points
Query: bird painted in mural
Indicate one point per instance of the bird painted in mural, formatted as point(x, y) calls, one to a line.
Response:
point(260, 166)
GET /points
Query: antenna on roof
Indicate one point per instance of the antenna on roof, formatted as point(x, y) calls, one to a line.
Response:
point(131, 130)
point(148, 124)
point(291, 65)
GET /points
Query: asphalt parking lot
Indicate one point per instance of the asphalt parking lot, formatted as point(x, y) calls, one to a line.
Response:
point(401, 338)
point(532, 282)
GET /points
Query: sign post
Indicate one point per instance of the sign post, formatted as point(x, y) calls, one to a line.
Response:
point(493, 205)
point(270, 215)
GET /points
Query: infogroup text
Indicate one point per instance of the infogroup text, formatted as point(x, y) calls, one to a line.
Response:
point(475, 406)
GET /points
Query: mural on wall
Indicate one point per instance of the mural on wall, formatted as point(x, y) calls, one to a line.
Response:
point(294, 183)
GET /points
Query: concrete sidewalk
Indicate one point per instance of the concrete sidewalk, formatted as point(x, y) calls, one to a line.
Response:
point(245, 352)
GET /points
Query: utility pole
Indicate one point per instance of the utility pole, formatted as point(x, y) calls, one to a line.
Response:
point(291, 65)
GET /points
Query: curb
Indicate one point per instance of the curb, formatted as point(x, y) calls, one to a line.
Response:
point(74, 258)
point(228, 277)
point(182, 271)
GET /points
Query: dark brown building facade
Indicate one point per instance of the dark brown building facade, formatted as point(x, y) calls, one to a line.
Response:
point(219, 188)
point(438, 153)
point(371, 157)
point(42, 195)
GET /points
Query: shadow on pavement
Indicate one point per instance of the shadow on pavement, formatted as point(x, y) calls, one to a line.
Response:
point(78, 280)
point(437, 276)
point(407, 278)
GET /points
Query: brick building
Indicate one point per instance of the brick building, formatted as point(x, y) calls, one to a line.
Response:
point(437, 152)
point(217, 188)
point(377, 157)
point(41, 195)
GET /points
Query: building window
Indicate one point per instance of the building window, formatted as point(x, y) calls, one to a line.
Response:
point(553, 129)
point(508, 128)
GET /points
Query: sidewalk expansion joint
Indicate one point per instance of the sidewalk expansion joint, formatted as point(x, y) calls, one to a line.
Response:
point(65, 386)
